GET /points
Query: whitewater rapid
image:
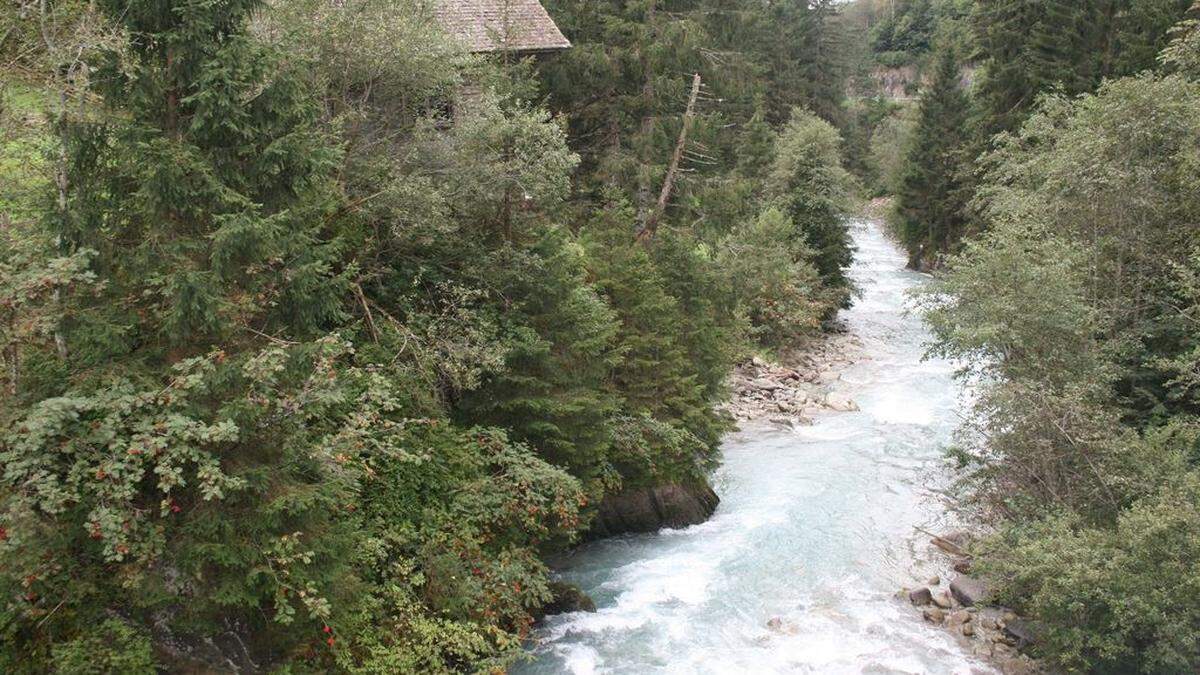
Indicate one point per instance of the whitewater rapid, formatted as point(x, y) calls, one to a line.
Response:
point(797, 572)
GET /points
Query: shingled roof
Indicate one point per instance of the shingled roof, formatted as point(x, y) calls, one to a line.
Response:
point(500, 25)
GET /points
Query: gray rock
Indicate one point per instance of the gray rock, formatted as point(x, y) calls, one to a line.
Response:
point(934, 615)
point(840, 402)
point(960, 617)
point(948, 545)
point(942, 599)
point(969, 591)
point(920, 597)
point(785, 422)
point(1021, 633)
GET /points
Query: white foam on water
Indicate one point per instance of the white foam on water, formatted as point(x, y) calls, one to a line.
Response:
point(796, 571)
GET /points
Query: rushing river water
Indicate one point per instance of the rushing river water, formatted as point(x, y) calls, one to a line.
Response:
point(798, 569)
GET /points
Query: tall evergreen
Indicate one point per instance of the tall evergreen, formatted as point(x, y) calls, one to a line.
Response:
point(1029, 47)
point(173, 468)
point(934, 191)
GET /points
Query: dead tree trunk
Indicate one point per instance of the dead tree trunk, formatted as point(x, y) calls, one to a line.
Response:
point(651, 223)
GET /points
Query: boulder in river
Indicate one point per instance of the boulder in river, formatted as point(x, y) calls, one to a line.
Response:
point(920, 597)
point(942, 599)
point(675, 505)
point(970, 591)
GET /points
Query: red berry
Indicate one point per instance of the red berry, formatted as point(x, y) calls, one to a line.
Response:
point(175, 508)
point(328, 629)
point(3, 534)
point(329, 642)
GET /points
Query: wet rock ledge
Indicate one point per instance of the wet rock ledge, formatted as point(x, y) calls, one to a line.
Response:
point(650, 509)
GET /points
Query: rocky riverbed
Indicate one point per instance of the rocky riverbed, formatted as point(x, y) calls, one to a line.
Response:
point(962, 604)
point(803, 382)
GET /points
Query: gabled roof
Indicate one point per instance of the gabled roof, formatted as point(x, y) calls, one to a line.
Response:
point(500, 25)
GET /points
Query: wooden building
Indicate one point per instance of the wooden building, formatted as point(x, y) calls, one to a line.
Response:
point(519, 27)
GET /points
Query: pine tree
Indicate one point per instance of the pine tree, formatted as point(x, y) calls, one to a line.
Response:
point(666, 428)
point(933, 194)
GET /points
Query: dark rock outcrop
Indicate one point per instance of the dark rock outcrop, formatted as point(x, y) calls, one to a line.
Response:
point(225, 652)
point(1023, 634)
point(566, 598)
point(651, 509)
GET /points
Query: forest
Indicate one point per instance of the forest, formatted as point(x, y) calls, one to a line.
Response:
point(323, 331)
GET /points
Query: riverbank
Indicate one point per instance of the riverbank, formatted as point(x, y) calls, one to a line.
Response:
point(801, 384)
point(789, 393)
point(945, 595)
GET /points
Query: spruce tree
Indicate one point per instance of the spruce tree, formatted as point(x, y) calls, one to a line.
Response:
point(933, 192)
point(1029, 47)
point(177, 476)
point(808, 181)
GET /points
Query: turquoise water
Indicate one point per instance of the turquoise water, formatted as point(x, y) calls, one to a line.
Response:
point(798, 570)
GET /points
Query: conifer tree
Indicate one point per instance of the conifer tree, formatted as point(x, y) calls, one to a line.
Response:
point(807, 179)
point(180, 466)
point(933, 191)
point(1029, 47)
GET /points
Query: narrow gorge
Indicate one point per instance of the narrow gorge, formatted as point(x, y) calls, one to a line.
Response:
point(817, 528)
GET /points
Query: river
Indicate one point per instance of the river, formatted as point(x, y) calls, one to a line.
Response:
point(797, 572)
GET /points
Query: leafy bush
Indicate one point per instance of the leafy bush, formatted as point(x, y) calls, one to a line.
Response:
point(776, 285)
point(1117, 599)
point(1074, 315)
point(111, 647)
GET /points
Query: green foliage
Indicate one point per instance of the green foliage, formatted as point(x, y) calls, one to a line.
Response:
point(454, 518)
point(1119, 599)
point(934, 188)
point(559, 345)
point(1184, 51)
point(887, 153)
point(1074, 315)
point(111, 647)
point(778, 288)
point(1030, 47)
point(666, 429)
point(309, 345)
point(808, 182)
